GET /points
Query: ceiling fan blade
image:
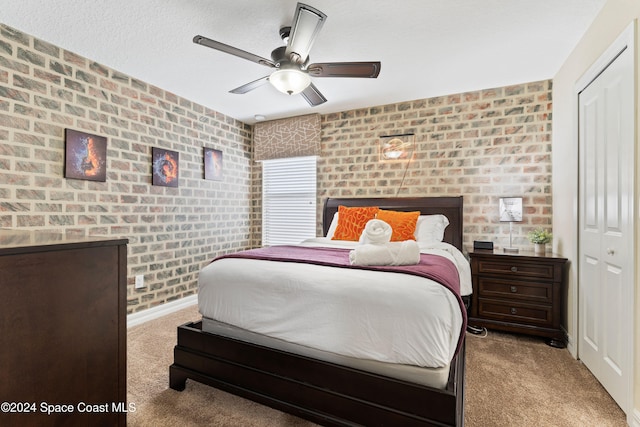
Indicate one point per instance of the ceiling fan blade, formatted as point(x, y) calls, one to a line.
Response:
point(250, 86)
point(305, 27)
point(313, 96)
point(345, 69)
point(204, 41)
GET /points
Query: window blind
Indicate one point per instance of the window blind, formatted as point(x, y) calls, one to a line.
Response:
point(288, 200)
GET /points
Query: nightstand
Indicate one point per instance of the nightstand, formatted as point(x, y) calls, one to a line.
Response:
point(521, 293)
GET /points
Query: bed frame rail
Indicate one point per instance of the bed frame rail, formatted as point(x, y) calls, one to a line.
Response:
point(319, 391)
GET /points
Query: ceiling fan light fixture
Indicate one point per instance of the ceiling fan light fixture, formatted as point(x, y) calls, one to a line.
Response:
point(290, 80)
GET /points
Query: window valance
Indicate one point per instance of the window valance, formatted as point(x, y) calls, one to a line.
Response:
point(290, 137)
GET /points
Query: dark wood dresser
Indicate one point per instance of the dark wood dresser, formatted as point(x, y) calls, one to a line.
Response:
point(62, 329)
point(521, 293)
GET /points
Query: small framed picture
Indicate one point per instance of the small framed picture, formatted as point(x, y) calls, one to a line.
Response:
point(212, 164)
point(85, 156)
point(165, 167)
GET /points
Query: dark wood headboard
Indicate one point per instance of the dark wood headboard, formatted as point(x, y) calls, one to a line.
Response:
point(451, 207)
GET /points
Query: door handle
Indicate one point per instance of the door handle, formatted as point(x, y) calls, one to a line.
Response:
point(610, 251)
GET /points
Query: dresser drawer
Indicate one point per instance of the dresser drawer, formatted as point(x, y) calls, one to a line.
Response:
point(517, 268)
point(517, 312)
point(536, 292)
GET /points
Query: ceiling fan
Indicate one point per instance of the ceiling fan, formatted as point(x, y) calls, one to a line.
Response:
point(293, 72)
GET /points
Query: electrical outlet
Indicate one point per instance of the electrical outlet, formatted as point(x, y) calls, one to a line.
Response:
point(140, 281)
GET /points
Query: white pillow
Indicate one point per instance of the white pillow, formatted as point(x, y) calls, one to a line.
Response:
point(332, 226)
point(430, 228)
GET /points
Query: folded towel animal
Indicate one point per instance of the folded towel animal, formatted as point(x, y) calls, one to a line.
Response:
point(376, 232)
point(393, 253)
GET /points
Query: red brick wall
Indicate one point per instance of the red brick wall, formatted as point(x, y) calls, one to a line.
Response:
point(172, 232)
point(482, 145)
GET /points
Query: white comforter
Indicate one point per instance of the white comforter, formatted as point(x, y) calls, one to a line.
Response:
point(383, 316)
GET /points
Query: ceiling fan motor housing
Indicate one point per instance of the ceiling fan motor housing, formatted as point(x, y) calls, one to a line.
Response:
point(278, 56)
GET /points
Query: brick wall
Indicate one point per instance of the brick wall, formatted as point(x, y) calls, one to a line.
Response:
point(482, 145)
point(172, 232)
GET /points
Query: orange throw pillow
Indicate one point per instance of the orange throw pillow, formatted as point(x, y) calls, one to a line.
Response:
point(403, 224)
point(351, 222)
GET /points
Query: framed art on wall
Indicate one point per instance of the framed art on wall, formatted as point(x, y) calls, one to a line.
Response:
point(212, 164)
point(165, 167)
point(85, 156)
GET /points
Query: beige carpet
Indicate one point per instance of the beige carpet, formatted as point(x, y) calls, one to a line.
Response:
point(510, 381)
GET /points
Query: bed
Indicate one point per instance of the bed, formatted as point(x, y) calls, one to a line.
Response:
point(319, 384)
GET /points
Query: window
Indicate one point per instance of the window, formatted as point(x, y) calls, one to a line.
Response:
point(288, 200)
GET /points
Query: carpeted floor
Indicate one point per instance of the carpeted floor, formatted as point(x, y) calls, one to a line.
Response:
point(511, 380)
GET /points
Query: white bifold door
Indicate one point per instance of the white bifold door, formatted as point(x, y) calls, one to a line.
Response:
point(606, 218)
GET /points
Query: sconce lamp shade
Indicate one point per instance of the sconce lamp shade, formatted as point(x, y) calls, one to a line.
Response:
point(290, 80)
point(396, 148)
point(510, 209)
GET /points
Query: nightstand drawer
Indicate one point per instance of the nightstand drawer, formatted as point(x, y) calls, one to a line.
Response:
point(506, 311)
point(536, 292)
point(515, 267)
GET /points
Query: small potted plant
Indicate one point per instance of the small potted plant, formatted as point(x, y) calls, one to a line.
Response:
point(540, 237)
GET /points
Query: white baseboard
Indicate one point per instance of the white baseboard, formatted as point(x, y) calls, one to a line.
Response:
point(141, 317)
point(571, 345)
point(635, 419)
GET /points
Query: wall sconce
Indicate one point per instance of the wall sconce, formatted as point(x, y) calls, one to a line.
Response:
point(396, 147)
point(511, 211)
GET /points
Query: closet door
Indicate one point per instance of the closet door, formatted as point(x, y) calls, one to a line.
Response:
point(606, 255)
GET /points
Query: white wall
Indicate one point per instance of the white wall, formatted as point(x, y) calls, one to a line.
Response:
point(614, 18)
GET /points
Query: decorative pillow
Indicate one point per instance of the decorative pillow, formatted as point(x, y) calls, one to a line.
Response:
point(403, 224)
point(351, 222)
point(332, 227)
point(430, 228)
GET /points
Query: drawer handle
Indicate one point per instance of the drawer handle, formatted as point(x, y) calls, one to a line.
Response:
point(514, 311)
point(514, 289)
point(514, 269)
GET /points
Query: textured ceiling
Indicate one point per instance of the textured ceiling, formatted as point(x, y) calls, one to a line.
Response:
point(427, 47)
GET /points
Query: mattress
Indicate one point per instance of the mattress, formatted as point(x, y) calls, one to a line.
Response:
point(376, 316)
point(431, 377)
